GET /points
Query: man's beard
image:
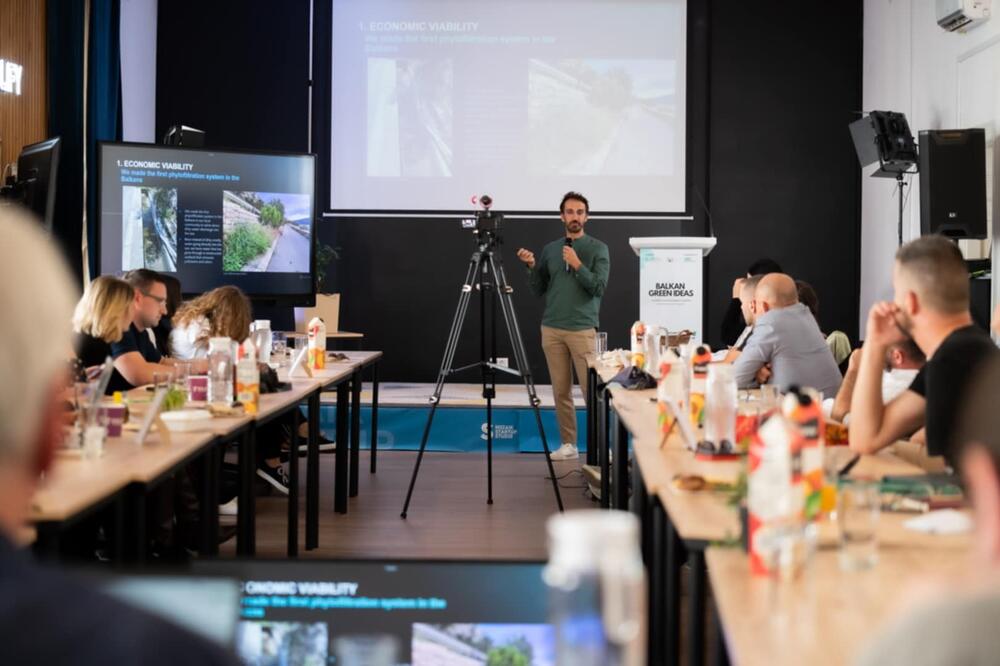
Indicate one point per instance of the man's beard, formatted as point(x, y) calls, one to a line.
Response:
point(573, 227)
point(904, 323)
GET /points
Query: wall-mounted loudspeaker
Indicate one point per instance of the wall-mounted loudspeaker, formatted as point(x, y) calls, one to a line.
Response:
point(953, 183)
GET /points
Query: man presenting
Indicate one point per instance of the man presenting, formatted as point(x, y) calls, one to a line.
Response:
point(571, 273)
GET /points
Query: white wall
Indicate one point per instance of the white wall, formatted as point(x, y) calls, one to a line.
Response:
point(939, 80)
point(138, 62)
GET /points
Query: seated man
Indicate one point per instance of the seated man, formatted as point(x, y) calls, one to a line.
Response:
point(953, 620)
point(903, 361)
point(787, 339)
point(47, 618)
point(748, 288)
point(135, 356)
point(931, 306)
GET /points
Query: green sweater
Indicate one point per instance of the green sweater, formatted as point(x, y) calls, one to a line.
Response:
point(572, 299)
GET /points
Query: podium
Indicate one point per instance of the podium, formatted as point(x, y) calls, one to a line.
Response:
point(671, 285)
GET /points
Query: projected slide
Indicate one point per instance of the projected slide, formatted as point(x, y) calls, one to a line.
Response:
point(208, 217)
point(521, 100)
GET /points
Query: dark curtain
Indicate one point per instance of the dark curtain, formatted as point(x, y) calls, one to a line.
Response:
point(64, 54)
point(104, 103)
point(65, 43)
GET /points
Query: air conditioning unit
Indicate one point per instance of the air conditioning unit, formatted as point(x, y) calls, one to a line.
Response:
point(962, 15)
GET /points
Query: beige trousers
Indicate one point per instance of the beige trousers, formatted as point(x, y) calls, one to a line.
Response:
point(564, 352)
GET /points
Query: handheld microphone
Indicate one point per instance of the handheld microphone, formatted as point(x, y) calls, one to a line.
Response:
point(569, 243)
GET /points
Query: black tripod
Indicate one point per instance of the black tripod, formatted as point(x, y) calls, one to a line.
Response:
point(486, 275)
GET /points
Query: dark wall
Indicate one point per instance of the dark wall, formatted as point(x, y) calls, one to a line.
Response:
point(785, 182)
point(237, 70)
point(770, 94)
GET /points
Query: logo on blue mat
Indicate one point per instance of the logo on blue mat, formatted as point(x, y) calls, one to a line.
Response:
point(500, 431)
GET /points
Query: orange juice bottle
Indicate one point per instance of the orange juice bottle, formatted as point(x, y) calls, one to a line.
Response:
point(699, 375)
point(801, 408)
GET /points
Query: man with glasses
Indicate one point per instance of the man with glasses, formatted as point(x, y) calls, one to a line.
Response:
point(135, 356)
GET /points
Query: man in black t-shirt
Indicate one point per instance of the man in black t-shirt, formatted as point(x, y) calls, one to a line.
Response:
point(135, 355)
point(931, 305)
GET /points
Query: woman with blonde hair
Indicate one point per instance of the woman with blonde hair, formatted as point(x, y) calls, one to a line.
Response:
point(102, 315)
point(222, 312)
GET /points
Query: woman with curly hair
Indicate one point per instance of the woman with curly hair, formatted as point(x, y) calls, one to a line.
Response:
point(222, 312)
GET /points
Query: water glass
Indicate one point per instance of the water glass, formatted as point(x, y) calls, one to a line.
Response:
point(601, 343)
point(858, 508)
point(279, 343)
point(161, 380)
point(770, 397)
point(181, 372)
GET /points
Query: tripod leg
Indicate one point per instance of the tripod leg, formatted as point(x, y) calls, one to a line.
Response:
point(446, 364)
point(420, 457)
point(489, 451)
point(517, 343)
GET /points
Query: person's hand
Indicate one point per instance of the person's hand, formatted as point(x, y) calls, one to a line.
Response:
point(882, 329)
point(854, 361)
point(763, 375)
point(527, 256)
point(738, 286)
point(569, 256)
point(995, 323)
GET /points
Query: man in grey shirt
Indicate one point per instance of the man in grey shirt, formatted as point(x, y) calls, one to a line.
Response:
point(786, 341)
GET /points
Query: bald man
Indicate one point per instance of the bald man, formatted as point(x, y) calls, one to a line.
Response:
point(786, 338)
point(930, 305)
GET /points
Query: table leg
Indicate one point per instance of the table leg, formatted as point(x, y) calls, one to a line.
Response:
point(209, 513)
point(672, 591)
point(340, 475)
point(374, 445)
point(591, 400)
point(603, 414)
point(355, 432)
point(657, 582)
point(721, 656)
point(312, 474)
point(293, 488)
point(696, 619)
point(620, 465)
point(135, 506)
point(246, 518)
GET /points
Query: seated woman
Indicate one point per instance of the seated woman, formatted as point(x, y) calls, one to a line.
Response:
point(222, 312)
point(102, 315)
point(225, 312)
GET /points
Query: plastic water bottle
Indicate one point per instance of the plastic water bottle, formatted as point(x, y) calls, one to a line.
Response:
point(262, 339)
point(720, 407)
point(220, 370)
point(597, 589)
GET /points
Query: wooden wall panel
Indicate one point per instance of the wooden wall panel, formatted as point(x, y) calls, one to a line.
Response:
point(24, 117)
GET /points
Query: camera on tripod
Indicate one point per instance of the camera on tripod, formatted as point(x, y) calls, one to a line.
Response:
point(486, 220)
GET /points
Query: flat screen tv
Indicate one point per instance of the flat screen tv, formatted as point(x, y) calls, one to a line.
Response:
point(210, 218)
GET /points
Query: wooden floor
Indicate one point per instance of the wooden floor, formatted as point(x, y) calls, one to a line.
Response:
point(448, 516)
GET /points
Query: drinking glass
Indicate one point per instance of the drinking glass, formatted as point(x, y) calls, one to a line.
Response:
point(279, 344)
point(858, 508)
point(601, 343)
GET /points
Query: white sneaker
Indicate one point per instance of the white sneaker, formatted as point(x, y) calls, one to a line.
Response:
point(565, 452)
point(228, 511)
point(230, 508)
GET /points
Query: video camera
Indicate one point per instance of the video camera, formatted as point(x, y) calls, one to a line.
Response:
point(486, 220)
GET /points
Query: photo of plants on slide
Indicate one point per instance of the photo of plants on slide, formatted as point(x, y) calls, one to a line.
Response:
point(601, 117)
point(149, 228)
point(281, 643)
point(483, 644)
point(410, 117)
point(265, 232)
